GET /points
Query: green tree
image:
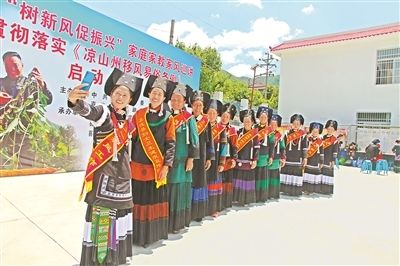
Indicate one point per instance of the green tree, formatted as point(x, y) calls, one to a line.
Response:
point(213, 78)
point(272, 96)
point(210, 64)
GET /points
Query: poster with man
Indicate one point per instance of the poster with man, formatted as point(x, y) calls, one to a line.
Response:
point(46, 48)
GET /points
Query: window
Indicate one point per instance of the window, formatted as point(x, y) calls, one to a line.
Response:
point(381, 119)
point(388, 66)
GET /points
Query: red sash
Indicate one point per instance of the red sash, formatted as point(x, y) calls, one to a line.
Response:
point(295, 136)
point(182, 117)
point(314, 146)
point(329, 141)
point(264, 133)
point(243, 140)
point(232, 132)
point(150, 145)
point(202, 124)
point(278, 136)
point(217, 130)
point(101, 154)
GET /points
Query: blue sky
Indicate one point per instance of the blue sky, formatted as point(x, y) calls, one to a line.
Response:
point(242, 30)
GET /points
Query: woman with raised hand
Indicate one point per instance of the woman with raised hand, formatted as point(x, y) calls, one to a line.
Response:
point(108, 223)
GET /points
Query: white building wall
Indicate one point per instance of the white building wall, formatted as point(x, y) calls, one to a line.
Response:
point(336, 80)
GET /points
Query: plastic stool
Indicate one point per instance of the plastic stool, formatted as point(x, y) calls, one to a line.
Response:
point(382, 166)
point(337, 163)
point(359, 162)
point(366, 167)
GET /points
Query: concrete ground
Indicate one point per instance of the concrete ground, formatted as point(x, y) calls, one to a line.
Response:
point(41, 223)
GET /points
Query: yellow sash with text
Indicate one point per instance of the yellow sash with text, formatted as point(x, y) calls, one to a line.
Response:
point(101, 154)
point(277, 137)
point(314, 146)
point(243, 140)
point(150, 145)
point(202, 124)
point(294, 136)
point(329, 141)
point(263, 133)
point(217, 130)
point(181, 118)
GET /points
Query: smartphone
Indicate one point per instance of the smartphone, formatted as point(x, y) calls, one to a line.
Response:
point(88, 79)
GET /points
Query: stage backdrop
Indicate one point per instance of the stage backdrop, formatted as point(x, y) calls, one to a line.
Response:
point(64, 39)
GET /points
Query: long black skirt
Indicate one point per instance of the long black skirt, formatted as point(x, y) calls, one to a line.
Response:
point(215, 195)
point(275, 184)
point(199, 203)
point(227, 188)
point(150, 212)
point(327, 181)
point(312, 179)
point(180, 205)
point(291, 180)
point(244, 187)
point(262, 184)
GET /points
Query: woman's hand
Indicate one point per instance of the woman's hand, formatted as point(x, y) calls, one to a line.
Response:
point(207, 165)
point(189, 164)
point(163, 173)
point(77, 94)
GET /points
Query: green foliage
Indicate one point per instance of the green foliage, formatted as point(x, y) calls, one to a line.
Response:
point(210, 64)
point(213, 78)
point(24, 121)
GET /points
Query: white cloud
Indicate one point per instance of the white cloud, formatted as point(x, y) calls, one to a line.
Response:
point(185, 31)
point(256, 3)
point(215, 15)
point(229, 56)
point(263, 33)
point(256, 54)
point(308, 10)
point(294, 35)
point(241, 70)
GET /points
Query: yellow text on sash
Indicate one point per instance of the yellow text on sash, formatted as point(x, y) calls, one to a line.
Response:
point(150, 145)
point(243, 140)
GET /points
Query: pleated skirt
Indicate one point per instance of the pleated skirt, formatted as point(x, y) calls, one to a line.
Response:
point(262, 184)
point(199, 203)
point(180, 205)
point(244, 187)
point(327, 180)
point(227, 188)
point(274, 183)
point(291, 180)
point(215, 195)
point(312, 179)
point(150, 212)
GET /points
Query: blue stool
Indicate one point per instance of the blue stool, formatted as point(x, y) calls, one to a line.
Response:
point(359, 162)
point(337, 163)
point(366, 167)
point(382, 166)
